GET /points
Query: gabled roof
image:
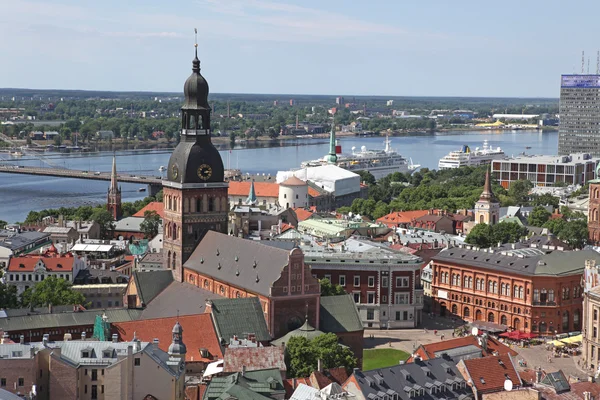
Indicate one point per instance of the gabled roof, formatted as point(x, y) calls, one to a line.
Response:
point(402, 217)
point(239, 317)
point(261, 189)
point(306, 331)
point(253, 358)
point(265, 384)
point(339, 314)
point(303, 214)
point(179, 298)
point(150, 283)
point(438, 378)
point(156, 206)
point(488, 374)
point(52, 264)
point(129, 224)
point(198, 329)
point(244, 263)
point(436, 349)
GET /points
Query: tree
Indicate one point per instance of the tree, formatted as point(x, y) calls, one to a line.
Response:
point(575, 233)
point(3, 224)
point(150, 224)
point(555, 225)
point(480, 235)
point(8, 296)
point(51, 291)
point(367, 177)
point(507, 232)
point(519, 191)
point(545, 199)
point(330, 289)
point(302, 355)
point(105, 220)
point(539, 216)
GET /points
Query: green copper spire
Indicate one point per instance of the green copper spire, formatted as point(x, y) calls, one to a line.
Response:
point(251, 200)
point(332, 157)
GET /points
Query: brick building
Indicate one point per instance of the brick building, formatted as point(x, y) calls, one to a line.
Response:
point(529, 289)
point(591, 311)
point(594, 213)
point(385, 284)
point(234, 267)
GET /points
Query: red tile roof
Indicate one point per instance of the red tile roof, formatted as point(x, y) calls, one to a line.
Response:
point(253, 358)
point(28, 263)
point(428, 351)
point(291, 384)
point(302, 214)
point(401, 217)
point(198, 333)
point(156, 206)
point(312, 192)
point(338, 375)
point(489, 373)
point(261, 189)
point(319, 380)
point(293, 181)
point(576, 392)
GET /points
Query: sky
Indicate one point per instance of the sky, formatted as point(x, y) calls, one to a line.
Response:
point(334, 47)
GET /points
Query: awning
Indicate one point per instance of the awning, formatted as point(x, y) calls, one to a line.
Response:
point(556, 343)
point(213, 368)
point(102, 248)
point(572, 339)
point(518, 335)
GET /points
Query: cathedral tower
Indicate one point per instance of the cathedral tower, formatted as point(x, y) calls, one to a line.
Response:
point(113, 202)
point(194, 191)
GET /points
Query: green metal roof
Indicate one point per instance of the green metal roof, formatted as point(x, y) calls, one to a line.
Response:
point(150, 283)
point(339, 314)
point(238, 317)
point(65, 319)
point(263, 384)
point(305, 331)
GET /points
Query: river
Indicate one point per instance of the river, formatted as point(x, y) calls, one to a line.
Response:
point(20, 194)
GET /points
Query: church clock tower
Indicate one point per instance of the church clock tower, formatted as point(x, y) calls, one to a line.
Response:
point(194, 191)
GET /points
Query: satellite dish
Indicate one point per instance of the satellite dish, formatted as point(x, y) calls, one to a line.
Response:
point(474, 331)
point(508, 385)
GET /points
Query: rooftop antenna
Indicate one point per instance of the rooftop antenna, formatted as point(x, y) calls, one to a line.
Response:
point(582, 61)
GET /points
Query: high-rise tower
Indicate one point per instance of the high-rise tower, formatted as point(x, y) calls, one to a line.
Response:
point(113, 201)
point(579, 127)
point(194, 191)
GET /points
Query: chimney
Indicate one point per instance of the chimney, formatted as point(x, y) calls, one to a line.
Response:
point(243, 370)
point(155, 344)
point(319, 365)
point(45, 338)
point(115, 338)
point(22, 339)
point(83, 335)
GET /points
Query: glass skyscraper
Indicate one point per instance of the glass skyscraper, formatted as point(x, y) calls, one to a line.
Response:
point(579, 129)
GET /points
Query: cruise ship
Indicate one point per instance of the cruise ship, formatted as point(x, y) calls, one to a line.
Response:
point(465, 156)
point(379, 163)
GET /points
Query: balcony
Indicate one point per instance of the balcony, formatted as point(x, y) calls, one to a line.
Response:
point(545, 303)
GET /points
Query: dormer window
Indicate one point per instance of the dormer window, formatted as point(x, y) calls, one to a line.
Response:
point(21, 265)
point(85, 354)
point(59, 265)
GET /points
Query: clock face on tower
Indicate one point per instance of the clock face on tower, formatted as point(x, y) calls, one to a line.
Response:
point(204, 172)
point(175, 171)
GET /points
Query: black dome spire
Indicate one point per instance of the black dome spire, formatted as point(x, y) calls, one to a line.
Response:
point(195, 88)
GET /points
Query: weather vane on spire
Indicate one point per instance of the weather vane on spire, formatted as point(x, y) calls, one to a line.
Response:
point(195, 37)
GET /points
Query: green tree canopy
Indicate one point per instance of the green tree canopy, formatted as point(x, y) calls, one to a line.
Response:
point(329, 289)
point(484, 235)
point(105, 220)
point(539, 216)
point(52, 290)
point(575, 233)
point(302, 355)
point(8, 296)
point(480, 235)
point(519, 191)
point(150, 224)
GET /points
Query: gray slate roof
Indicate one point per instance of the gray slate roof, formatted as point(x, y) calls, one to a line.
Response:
point(19, 312)
point(23, 239)
point(150, 283)
point(402, 379)
point(178, 298)
point(532, 262)
point(339, 314)
point(129, 224)
point(256, 268)
point(254, 385)
point(239, 317)
point(66, 319)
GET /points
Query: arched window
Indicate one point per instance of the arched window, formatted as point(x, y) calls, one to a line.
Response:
point(595, 218)
point(168, 259)
point(516, 324)
point(543, 327)
point(174, 263)
point(175, 201)
point(470, 282)
point(198, 205)
point(170, 202)
point(495, 288)
point(454, 309)
point(211, 204)
point(565, 293)
point(481, 219)
point(502, 289)
point(478, 315)
point(520, 292)
point(490, 286)
point(466, 282)
point(491, 317)
point(577, 320)
point(504, 320)
point(516, 291)
point(466, 312)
